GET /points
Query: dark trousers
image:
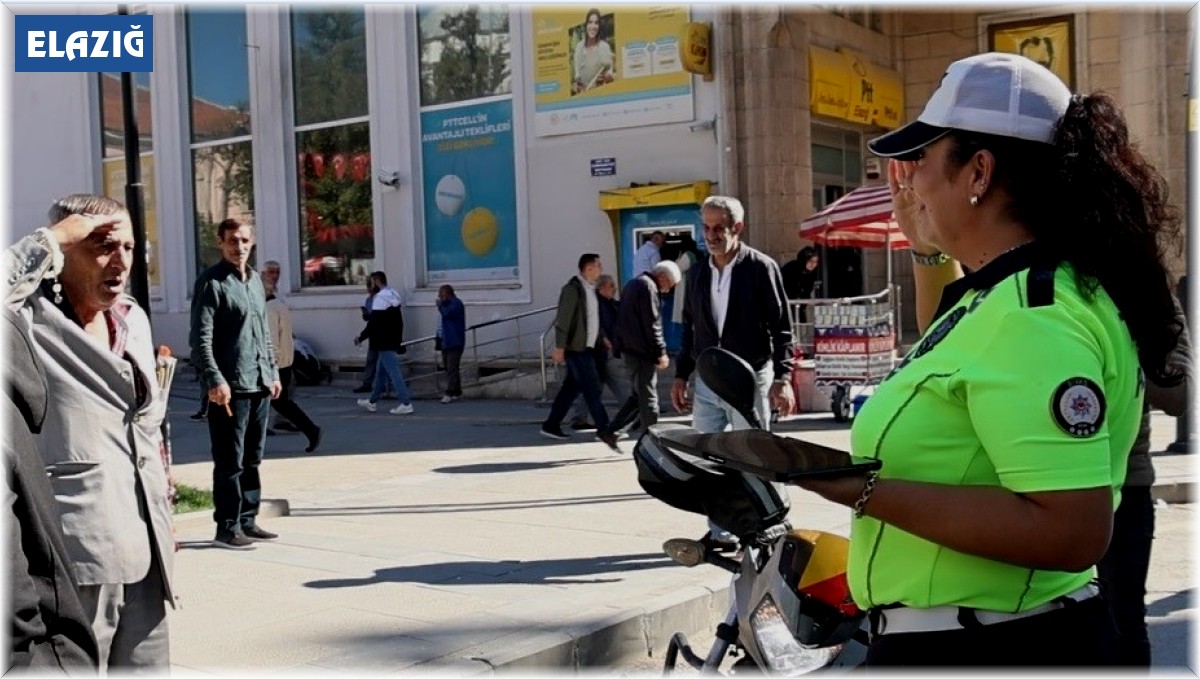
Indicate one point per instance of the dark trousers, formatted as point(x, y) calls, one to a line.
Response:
point(285, 406)
point(643, 398)
point(237, 451)
point(453, 358)
point(1123, 570)
point(1081, 634)
point(582, 377)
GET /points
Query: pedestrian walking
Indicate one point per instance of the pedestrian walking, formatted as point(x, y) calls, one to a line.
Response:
point(577, 338)
point(640, 339)
point(609, 366)
point(279, 320)
point(231, 347)
point(384, 333)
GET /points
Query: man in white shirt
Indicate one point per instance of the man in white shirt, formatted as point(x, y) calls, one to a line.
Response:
point(736, 300)
point(648, 255)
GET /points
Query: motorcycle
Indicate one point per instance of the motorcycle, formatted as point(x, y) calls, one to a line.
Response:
point(790, 610)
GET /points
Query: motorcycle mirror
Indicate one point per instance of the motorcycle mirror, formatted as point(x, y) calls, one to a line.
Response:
point(684, 552)
point(732, 379)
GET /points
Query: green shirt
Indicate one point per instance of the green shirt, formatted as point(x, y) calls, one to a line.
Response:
point(1032, 395)
point(230, 339)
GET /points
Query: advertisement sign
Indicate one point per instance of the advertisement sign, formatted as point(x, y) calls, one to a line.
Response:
point(606, 67)
point(469, 185)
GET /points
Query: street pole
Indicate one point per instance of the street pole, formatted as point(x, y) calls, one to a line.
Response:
point(134, 190)
point(1182, 443)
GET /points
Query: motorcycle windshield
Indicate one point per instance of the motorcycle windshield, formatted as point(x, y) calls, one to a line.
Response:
point(767, 455)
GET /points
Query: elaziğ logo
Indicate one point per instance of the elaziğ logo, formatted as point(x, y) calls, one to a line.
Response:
point(72, 43)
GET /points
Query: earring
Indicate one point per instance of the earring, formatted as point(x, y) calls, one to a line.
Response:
point(974, 201)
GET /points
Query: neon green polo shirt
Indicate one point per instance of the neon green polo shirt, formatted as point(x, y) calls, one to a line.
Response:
point(1003, 390)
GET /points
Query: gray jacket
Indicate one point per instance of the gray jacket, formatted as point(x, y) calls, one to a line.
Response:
point(100, 446)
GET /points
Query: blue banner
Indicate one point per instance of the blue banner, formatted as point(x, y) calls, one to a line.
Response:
point(470, 190)
point(60, 43)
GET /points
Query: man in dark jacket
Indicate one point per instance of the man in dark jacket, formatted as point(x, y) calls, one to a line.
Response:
point(640, 341)
point(736, 301)
point(385, 333)
point(49, 627)
point(577, 338)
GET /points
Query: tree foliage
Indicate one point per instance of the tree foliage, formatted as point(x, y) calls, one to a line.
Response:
point(469, 60)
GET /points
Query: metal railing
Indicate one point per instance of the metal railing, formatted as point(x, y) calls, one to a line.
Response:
point(483, 354)
point(802, 314)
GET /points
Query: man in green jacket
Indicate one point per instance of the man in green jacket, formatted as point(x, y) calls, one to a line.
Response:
point(231, 349)
point(577, 339)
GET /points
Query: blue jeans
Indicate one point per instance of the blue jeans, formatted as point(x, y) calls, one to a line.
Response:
point(711, 415)
point(237, 451)
point(582, 377)
point(388, 368)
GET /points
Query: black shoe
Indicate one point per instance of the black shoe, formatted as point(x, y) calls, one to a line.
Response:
point(554, 433)
point(231, 540)
point(257, 533)
point(287, 426)
point(609, 439)
point(199, 416)
point(362, 389)
point(583, 426)
point(314, 440)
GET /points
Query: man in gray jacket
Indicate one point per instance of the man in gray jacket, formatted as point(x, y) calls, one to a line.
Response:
point(101, 437)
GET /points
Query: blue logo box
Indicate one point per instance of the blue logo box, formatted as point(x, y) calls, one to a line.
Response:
point(57, 43)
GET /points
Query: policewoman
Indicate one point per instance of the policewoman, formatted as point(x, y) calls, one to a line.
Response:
point(1004, 432)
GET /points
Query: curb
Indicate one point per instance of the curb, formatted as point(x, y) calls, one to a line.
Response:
point(267, 509)
point(1174, 493)
point(604, 642)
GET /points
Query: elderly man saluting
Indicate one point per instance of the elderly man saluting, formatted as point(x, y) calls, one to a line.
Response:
point(101, 436)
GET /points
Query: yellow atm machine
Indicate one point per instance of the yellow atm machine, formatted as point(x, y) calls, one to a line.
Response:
point(638, 211)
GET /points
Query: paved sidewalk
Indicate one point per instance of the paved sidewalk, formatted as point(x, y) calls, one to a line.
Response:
point(455, 538)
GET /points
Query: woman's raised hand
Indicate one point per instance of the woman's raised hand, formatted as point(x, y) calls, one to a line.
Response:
point(906, 205)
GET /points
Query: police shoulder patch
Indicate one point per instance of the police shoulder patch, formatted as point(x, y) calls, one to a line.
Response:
point(1078, 407)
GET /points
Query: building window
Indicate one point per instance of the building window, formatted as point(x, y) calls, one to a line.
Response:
point(333, 146)
point(465, 53)
point(219, 107)
point(468, 171)
point(112, 134)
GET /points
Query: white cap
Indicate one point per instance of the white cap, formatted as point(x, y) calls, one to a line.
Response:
point(1006, 95)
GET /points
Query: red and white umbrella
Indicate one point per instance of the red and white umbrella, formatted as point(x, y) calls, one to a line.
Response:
point(860, 219)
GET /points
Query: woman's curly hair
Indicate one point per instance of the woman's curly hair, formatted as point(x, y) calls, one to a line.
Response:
point(1093, 200)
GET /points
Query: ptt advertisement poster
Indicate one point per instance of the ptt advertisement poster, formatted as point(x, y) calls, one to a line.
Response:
point(605, 67)
point(470, 191)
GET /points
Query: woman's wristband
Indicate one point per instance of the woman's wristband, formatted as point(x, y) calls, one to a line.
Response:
point(860, 505)
point(934, 259)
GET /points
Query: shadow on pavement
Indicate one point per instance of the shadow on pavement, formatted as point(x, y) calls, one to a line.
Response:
point(465, 507)
point(1176, 602)
point(499, 467)
point(508, 572)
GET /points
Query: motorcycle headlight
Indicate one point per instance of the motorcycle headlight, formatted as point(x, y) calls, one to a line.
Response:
point(779, 647)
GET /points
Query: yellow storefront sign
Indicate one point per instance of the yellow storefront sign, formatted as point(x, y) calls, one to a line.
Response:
point(846, 85)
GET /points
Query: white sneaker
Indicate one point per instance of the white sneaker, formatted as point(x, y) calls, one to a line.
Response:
point(449, 399)
point(366, 403)
point(402, 409)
